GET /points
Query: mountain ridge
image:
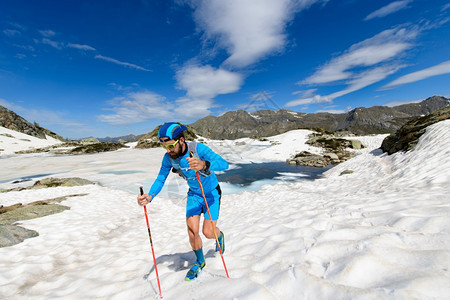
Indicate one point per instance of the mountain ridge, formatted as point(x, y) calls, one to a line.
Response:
point(240, 123)
point(13, 121)
point(361, 120)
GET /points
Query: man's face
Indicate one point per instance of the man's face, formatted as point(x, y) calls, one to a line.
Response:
point(173, 147)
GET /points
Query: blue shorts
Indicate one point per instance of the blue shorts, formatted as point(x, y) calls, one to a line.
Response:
point(196, 204)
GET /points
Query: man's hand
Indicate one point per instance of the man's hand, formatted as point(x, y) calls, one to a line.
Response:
point(196, 164)
point(144, 199)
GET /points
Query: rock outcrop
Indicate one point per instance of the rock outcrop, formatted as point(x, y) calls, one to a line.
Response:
point(74, 147)
point(52, 182)
point(307, 159)
point(13, 121)
point(334, 151)
point(88, 141)
point(97, 148)
point(408, 135)
point(10, 232)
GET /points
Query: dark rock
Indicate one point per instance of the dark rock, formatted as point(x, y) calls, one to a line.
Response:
point(4, 209)
point(78, 148)
point(145, 144)
point(55, 200)
point(12, 234)
point(332, 156)
point(51, 133)
point(408, 135)
point(308, 159)
point(356, 144)
point(97, 148)
point(334, 151)
point(13, 121)
point(329, 143)
point(334, 148)
point(88, 141)
point(28, 212)
point(52, 182)
point(346, 172)
point(55, 182)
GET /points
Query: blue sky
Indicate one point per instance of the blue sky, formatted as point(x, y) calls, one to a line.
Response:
point(110, 68)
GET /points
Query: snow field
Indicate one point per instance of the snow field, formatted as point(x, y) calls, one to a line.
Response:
point(12, 141)
point(382, 232)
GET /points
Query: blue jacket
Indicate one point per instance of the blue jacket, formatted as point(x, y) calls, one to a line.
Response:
point(209, 183)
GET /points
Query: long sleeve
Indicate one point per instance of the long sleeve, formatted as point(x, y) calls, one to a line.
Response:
point(164, 171)
point(217, 163)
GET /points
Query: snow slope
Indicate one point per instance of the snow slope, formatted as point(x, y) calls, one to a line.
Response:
point(382, 232)
point(12, 141)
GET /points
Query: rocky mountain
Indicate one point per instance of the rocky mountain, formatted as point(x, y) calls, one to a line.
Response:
point(13, 121)
point(127, 138)
point(377, 119)
point(408, 135)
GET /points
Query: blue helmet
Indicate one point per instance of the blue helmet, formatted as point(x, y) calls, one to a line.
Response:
point(170, 130)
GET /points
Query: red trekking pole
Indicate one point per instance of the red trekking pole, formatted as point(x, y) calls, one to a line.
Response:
point(151, 244)
point(210, 218)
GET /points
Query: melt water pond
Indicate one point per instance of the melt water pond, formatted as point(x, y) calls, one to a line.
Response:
point(246, 174)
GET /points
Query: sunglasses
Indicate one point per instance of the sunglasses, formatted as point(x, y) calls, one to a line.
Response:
point(170, 146)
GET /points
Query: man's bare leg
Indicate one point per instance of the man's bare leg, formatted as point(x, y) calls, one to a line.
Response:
point(193, 227)
point(208, 229)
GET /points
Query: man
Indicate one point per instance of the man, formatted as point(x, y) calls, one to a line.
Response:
point(205, 162)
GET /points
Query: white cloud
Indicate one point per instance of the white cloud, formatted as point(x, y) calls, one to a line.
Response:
point(332, 111)
point(363, 64)
point(81, 47)
point(310, 100)
point(366, 78)
point(118, 62)
point(440, 69)
point(20, 56)
point(192, 109)
point(11, 32)
point(202, 85)
point(47, 33)
point(62, 45)
point(445, 7)
point(383, 47)
point(247, 29)
point(136, 107)
point(206, 82)
point(388, 9)
point(54, 44)
point(401, 102)
point(340, 68)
